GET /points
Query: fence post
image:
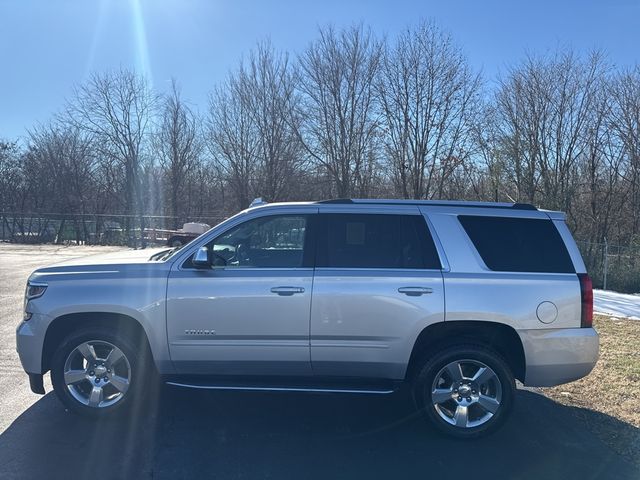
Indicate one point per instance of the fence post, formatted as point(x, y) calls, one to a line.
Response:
point(606, 262)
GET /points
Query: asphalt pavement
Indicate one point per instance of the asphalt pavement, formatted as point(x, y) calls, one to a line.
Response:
point(177, 434)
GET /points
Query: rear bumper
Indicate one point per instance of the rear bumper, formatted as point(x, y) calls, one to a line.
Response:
point(557, 356)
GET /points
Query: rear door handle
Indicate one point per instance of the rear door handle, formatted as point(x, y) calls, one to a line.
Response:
point(415, 291)
point(287, 290)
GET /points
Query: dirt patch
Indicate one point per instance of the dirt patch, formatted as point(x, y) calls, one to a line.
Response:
point(613, 388)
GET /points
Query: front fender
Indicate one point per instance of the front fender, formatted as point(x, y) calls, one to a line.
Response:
point(139, 294)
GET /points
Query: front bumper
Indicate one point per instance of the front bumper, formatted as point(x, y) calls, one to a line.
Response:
point(36, 383)
point(557, 356)
point(30, 342)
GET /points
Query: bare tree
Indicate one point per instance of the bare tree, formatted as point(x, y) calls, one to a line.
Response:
point(10, 175)
point(600, 193)
point(429, 101)
point(61, 164)
point(268, 87)
point(625, 124)
point(543, 111)
point(232, 139)
point(340, 124)
point(115, 108)
point(253, 127)
point(350, 116)
point(178, 146)
point(490, 154)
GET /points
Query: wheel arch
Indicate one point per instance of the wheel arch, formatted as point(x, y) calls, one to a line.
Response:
point(124, 324)
point(496, 336)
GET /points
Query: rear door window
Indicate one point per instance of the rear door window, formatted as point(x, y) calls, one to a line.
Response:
point(376, 241)
point(518, 244)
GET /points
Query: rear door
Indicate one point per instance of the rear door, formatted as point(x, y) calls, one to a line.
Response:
point(377, 284)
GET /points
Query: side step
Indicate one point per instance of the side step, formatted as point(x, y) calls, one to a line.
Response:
point(355, 387)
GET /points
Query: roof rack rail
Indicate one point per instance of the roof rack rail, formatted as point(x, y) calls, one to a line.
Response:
point(435, 203)
point(340, 201)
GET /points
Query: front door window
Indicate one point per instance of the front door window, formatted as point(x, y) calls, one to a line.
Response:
point(267, 242)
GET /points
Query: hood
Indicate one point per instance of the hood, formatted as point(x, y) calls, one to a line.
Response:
point(110, 266)
point(112, 258)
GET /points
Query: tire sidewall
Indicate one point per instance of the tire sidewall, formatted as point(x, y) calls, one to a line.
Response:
point(95, 334)
point(423, 382)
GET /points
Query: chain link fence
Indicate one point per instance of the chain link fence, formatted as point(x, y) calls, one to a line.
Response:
point(93, 229)
point(612, 266)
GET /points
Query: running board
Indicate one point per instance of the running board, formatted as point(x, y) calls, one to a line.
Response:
point(382, 389)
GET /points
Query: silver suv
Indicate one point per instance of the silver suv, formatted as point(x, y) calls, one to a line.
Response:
point(455, 299)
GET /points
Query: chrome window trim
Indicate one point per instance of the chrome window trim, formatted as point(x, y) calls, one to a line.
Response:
point(369, 269)
point(250, 269)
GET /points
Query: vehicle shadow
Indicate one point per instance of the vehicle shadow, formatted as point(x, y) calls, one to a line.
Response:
point(197, 434)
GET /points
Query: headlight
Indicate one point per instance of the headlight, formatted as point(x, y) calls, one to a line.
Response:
point(34, 290)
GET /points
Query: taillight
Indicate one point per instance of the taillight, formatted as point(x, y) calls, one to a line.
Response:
point(586, 293)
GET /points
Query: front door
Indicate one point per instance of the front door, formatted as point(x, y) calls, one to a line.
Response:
point(249, 313)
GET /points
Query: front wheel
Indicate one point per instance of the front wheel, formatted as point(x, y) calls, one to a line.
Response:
point(465, 391)
point(95, 372)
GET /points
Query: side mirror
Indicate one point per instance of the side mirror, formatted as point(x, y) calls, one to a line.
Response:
point(201, 258)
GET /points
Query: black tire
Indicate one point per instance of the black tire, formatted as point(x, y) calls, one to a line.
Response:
point(175, 241)
point(432, 367)
point(134, 357)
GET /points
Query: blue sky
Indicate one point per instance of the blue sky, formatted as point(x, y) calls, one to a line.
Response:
point(47, 46)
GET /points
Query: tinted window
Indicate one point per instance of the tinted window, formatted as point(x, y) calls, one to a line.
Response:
point(268, 242)
point(518, 244)
point(376, 241)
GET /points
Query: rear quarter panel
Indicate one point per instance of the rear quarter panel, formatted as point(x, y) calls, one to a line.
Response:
point(473, 292)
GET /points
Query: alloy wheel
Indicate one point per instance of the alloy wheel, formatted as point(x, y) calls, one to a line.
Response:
point(97, 374)
point(466, 393)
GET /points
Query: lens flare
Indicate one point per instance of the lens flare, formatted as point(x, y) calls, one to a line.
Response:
point(143, 65)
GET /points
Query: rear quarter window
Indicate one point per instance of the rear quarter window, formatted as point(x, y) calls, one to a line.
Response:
point(518, 244)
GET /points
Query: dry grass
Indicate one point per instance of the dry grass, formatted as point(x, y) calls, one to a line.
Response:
point(613, 388)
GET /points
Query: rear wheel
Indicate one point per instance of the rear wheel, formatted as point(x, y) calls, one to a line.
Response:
point(96, 372)
point(465, 391)
point(175, 241)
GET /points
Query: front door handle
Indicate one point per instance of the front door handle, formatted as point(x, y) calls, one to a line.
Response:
point(415, 291)
point(286, 291)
